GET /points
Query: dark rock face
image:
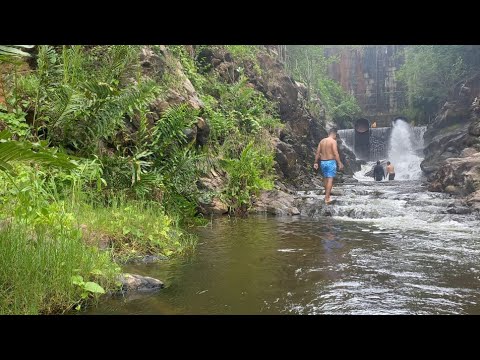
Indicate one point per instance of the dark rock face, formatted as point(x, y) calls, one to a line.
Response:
point(296, 150)
point(297, 143)
point(349, 160)
point(452, 154)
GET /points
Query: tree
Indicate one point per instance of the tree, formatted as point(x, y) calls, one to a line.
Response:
point(430, 73)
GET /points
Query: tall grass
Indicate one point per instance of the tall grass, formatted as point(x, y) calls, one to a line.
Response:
point(51, 224)
point(36, 269)
point(133, 227)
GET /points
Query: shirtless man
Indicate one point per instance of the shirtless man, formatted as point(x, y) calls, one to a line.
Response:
point(390, 171)
point(327, 153)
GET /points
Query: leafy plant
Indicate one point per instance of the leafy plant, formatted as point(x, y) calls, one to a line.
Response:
point(246, 175)
point(430, 73)
point(9, 52)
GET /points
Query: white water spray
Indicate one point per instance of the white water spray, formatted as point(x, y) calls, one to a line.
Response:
point(405, 144)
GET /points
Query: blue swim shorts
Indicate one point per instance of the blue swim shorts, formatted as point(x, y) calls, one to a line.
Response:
point(329, 168)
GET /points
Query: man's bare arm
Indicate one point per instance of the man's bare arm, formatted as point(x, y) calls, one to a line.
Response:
point(317, 157)
point(337, 155)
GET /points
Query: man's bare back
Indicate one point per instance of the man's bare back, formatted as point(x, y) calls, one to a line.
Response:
point(327, 149)
point(327, 152)
point(390, 169)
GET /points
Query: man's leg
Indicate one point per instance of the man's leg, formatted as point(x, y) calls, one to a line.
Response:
point(328, 189)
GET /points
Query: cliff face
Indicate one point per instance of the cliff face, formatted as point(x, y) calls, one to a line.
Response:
point(452, 152)
point(297, 143)
point(369, 74)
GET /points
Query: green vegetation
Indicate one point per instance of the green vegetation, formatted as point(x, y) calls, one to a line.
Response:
point(309, 65)
point(430, 73)
point(91, 177)
point(99, 164)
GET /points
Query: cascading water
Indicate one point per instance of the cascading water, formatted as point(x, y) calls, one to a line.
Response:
point(379, 143)
point(348, 138)
point(402, 145)
point(405, 142)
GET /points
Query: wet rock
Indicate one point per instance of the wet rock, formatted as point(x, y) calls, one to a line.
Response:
point(458, 175)
point(276, 202)
point(349, 180)
point(454, 134)
point(461, 210)
point(132, 282)
point(148, 259)
point(473, 200)
point(213, 207)
point(450, 189)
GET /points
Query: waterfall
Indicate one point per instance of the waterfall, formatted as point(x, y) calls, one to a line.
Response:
point(379, 139)
point(348, 138)
point(405, 143)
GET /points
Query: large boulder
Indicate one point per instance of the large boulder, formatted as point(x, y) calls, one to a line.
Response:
point(132, 282)
point(276, 202)
point(458, 175)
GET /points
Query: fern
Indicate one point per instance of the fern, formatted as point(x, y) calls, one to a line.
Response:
point(11, 151)
point(9, 53)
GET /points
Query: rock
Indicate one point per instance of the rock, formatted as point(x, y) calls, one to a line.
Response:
point(148, 259)
point(349, 180)
point(190, 134)
point(461, 210)
point(458, 175)
point(454, 133)
point(155, 65)
point(276, 202)
point(132, 282)
point(302, 89)
point(214, 207)
point(468, 152)
point(473, 200)
point(450, 189)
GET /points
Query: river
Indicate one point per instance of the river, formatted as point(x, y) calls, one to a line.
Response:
point(387, 248)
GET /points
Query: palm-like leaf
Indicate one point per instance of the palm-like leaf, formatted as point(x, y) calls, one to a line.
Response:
point(10, 52)
point(11, 150)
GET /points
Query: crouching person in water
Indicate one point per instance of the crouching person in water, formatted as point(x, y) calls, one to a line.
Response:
point(327, 153)
point(390, 171)
point(378, 172)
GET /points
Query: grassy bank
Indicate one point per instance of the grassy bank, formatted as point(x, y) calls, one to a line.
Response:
point(60, 242)
point(134, 189)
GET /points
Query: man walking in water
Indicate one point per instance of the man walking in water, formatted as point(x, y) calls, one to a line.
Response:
point(327, 153)
point(390, 171)
point(378, 172)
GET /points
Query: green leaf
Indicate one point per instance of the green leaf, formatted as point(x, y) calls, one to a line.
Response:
point(96, 272)
point(94, 287)
point(12, 51)
point(77, 280)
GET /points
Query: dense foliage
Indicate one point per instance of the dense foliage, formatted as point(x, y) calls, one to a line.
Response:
point(431, 72)
point(309, 65)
